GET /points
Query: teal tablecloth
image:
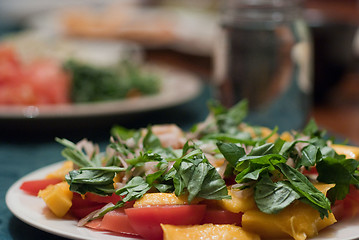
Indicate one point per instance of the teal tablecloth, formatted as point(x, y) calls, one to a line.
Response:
point(22, 153)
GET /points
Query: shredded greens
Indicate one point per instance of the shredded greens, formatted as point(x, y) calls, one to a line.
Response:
point(93, 84)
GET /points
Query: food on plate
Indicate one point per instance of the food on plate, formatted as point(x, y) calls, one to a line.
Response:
point(177, 28)
point(223, 178)
point(49, 81)
point(39, 82)
point(125, 21)
point(93, 84)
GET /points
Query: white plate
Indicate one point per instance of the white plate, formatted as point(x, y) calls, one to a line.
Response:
point(30, 210)
point(177, 87)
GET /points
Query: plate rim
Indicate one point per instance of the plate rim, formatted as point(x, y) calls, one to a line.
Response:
point(15, 190)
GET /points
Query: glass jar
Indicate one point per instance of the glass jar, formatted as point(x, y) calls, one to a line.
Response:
point(264, 54)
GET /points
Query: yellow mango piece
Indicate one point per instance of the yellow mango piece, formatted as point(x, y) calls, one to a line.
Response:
point(348, 151)
point(61, 172)
point(286, 136)
point(58, 198)
point(153, 199)
point(298, 220)
point(238, 202)
point(206, 231)
point(266, 132)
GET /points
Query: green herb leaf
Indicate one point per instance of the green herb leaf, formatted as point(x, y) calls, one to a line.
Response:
point(96, 181)
point(231, 152)
point(71, 152)
point(196, 175)
point(304, 187)
point(272, 197)
point(340, 171)
point(134, 189)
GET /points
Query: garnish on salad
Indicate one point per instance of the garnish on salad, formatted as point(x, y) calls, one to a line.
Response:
point(222, 178)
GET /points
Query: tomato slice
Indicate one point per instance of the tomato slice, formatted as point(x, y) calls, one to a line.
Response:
point(82, 212)
point(349, 206)
point(81, 207)
point(114, 198)
point(146, 220)
point(117, 221)
point(34, 186)
point(221, 216)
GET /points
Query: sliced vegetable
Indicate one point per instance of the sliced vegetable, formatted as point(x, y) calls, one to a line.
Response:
point(58, 198)
point(147, 220)
point(34, 186)
point(220, 216)
point(117, 221)
point(207, 231)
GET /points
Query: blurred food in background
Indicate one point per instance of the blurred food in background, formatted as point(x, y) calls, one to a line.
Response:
point(184, 29)
point(184, 34)
point(36, 70)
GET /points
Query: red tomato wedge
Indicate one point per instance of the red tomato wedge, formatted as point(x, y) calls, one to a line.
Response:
point(82, 212)
point(220, 216)
point(349, 206)
point(95, 224)
point(34, 186)
point(114, 198)
point(81, 207)
point(117, 221)
point(146, 220)
point(38, 82)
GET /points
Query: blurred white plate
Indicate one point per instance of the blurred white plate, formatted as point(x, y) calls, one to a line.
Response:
point(30, 209)
point(185, 30)
point(178, 87)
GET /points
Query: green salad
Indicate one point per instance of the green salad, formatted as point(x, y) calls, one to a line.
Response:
point(271, 166)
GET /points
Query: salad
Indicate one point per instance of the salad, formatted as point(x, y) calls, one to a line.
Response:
point(224, 178)
point(47, 80)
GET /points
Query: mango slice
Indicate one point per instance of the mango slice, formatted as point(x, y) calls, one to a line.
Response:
point(207, 231)
point(58, 198)
point(298, 220)
point(348, 151)
point(238, 202)
point(153, 199)
point(61, 172)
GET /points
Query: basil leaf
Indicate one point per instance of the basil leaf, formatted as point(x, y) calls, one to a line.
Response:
point(71, 152)
point(125, 133)
point(261, 150)
point(345, 174)
point(134, 189)
point(106, 169)
point(196, 175)
point(95, 181)
point(272, 197)
point(304, 187)
point(310, 156)
point(231, 152)
point(240, 137)
point(150, 141)
point(227, 121)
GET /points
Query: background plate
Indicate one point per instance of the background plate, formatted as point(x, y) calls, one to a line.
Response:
point(177, 87)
